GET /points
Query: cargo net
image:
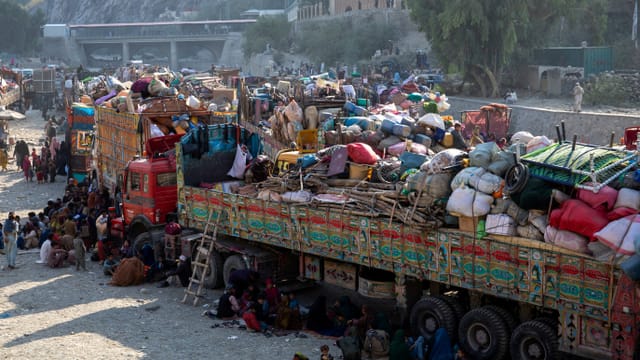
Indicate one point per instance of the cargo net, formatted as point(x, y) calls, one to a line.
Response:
point(579, 165)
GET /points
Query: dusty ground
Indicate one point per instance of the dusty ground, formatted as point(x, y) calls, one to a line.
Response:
point(63, 314)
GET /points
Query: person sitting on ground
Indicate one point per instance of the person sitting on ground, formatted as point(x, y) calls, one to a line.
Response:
point(125, 249)
point(182, 272)
point(342, 311)
point(249, 296)
point(158, 269)
point(45, 249)
point(228, 304)
point(242, 278)
point(250, 318)
point(110, 265)
point(295, 322)
point(57, 256)
point(283, 314)
point(30, 234)
point(398, 348)
point(416, 347)
point(363, 323)
point(262, 309)
point(272, 295)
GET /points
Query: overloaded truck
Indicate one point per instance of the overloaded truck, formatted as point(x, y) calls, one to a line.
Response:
point(499, 297)
point(80, 135)
point(132, 149)
point(11, 90)
point(43, 89)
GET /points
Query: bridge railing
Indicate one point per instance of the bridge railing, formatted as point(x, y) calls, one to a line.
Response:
point(168, 31)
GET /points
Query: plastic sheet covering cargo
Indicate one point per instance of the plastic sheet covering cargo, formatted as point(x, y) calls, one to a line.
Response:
point(572, 165)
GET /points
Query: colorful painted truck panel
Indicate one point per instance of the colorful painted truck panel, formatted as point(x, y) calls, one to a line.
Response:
point(117, 143)
point(81, 137)
point(596, 304)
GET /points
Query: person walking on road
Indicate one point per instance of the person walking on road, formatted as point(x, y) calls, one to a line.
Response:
point(578, 91)
point(10, 234)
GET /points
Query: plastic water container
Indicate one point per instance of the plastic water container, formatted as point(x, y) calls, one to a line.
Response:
point(422, 139)
point(354, 109)
point(408, 121)
point(362, 102)
point(401, 130)
point(363, 122)
point(387, 126)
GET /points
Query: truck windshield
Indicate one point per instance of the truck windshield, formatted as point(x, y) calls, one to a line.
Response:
point(166, 179)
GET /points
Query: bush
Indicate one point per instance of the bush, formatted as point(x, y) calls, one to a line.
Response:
point(611, 89)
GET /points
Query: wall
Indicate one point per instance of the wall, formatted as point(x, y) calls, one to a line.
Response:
point(594, 128)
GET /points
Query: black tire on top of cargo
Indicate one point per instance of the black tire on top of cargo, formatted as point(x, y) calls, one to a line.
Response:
point(534, 340)
point(213, 279)
point(431, 313)
point(233, 263)
point(484, 334)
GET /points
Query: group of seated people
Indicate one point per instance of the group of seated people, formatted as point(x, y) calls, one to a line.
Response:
point(267, 310)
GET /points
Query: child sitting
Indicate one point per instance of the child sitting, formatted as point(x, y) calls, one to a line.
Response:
point(110, 265)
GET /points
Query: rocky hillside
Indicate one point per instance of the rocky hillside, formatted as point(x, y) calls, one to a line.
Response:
point(112, 11)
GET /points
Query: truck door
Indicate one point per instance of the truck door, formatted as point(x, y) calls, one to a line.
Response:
point(137, 201)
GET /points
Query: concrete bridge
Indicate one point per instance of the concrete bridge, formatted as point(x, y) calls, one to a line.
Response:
point(195, 44)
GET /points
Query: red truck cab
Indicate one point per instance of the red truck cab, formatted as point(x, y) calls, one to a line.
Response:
point(149, 193)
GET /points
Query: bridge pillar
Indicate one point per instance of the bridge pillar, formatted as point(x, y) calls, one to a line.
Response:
point(173, 55)
point(125, 53)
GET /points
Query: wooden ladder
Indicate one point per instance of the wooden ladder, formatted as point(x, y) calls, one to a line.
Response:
point(200, 265)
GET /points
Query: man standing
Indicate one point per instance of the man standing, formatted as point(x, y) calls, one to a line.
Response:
point(578, 91)
point(10, 233)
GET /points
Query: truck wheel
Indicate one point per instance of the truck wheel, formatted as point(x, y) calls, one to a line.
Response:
point(534, 340)
point(213, 278)
point(431, 313)
point(505, 315)
point(233, 263)
point(483, 333)
point(140, 240)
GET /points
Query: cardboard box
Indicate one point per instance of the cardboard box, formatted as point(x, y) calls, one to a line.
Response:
point(468, 224)
point(219, 94)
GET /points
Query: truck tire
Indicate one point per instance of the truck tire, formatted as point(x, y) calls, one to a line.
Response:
point(431, 313)
point(459, 310)
point(233, 263)
point(213, 278)
point(534, 340)
point(483, 333)
point(506, 317)
point(140, 240)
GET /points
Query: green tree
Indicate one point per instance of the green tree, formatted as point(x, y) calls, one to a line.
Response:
point(343, 40)
point(20, 31)
point(484, 37)
point(272, 30)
